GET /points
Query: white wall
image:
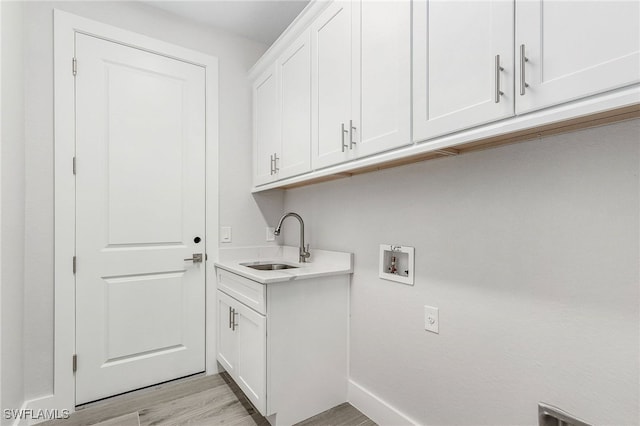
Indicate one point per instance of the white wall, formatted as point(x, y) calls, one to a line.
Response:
point(237, 207)
point(12, 208)
point(531, 253)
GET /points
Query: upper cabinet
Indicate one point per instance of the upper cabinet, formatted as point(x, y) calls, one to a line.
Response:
point(266, 127)
point(361, 76)
point(463, 65)
point(294, 70)
point(351, 81)
point(572, 49)
point(282, 115)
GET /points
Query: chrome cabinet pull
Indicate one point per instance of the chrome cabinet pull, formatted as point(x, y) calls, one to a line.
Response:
point(234, 324)
point(271, 165)
point(351, 130)
point(276, 169)
point(523, 80)
point(197, 258)
point(343, 131)
point(230, 317)
point(498, 70)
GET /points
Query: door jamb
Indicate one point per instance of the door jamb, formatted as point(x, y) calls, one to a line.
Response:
point(66, 25)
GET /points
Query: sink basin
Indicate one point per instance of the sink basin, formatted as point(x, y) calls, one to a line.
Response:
point(269, 266)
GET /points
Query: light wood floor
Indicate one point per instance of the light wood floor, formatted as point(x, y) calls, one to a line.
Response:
point(201, 400)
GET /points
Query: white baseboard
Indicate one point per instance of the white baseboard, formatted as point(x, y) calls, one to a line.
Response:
point(48, 402)
point(375, 408)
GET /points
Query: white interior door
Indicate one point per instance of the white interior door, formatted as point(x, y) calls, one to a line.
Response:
point(140, 145)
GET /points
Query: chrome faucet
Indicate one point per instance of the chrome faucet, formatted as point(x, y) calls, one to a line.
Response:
point(304, 252)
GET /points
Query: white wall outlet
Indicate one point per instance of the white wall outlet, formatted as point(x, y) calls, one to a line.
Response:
point(270, 235)
point(431, 319)
point(225, 234)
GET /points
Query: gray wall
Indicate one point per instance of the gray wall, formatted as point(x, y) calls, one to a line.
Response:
point(12, 208)
point(237, 207)
point(531, 253)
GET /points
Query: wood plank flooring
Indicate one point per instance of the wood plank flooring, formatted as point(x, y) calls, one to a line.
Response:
point(199, 401)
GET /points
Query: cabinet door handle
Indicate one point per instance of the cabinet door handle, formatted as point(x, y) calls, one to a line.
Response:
point(230, 316)
point(523, 79)
point(234, 324)
point(351, 130)
point(271, 165)
point(343, 131)
point(499, 69)
point(276, 169)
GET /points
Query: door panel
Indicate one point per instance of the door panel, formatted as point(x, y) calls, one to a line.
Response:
point(266, 127)
point(382, 77)
point(456, 43)
point(140, 202)
point(227, 340)
point(252, 355)
point(331, 68)
point(294, 67)
point(600, 53)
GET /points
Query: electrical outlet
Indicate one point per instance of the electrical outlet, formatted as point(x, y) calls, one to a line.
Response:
point(431, 319)
point(225, 234)
point(270, 235)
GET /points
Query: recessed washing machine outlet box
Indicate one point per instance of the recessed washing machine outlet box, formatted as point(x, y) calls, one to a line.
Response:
point(396, 263)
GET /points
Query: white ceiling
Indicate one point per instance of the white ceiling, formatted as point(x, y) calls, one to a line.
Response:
point(259, 20)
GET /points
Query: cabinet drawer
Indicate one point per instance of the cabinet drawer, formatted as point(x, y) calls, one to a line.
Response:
point(242, 289)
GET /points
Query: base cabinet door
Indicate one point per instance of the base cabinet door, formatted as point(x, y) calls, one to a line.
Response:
point(242, 347)
point(250, 327)
point(227, 352)
point(463, 65)
point(572, 49)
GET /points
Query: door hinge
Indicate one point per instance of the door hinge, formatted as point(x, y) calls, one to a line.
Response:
point(74, 362)
point(74, 264)
point(74, 165)
point(74, 66)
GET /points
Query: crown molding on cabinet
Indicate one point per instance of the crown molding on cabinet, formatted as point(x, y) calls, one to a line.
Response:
point(293, 31)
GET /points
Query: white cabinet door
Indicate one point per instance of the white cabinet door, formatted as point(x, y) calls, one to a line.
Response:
point(294, 71)
point(458, 82)
point(227, 341)
point(251, 373)
point(575, 49)
point(266, 126)
point(242, 347)
point(381, 75)
point(331, 85)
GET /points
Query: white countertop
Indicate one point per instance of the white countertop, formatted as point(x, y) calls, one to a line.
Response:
point(321, 263)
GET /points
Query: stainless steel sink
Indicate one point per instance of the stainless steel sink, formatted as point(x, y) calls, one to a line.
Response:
point(269, 266)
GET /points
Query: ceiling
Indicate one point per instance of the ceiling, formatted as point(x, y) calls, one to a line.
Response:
point(258, 20)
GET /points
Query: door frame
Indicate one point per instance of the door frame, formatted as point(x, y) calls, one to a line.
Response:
point(66, 25)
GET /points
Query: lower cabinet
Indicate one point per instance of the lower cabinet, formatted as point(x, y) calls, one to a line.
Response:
point(288, 351)
point(242, 347)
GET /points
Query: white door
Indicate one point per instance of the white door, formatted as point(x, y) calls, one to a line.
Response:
point(266, 128)
point(331, 85)
point(458, 80)
point(140, 185)
point(382, 75)
point(574, 49)
point(294, 69)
